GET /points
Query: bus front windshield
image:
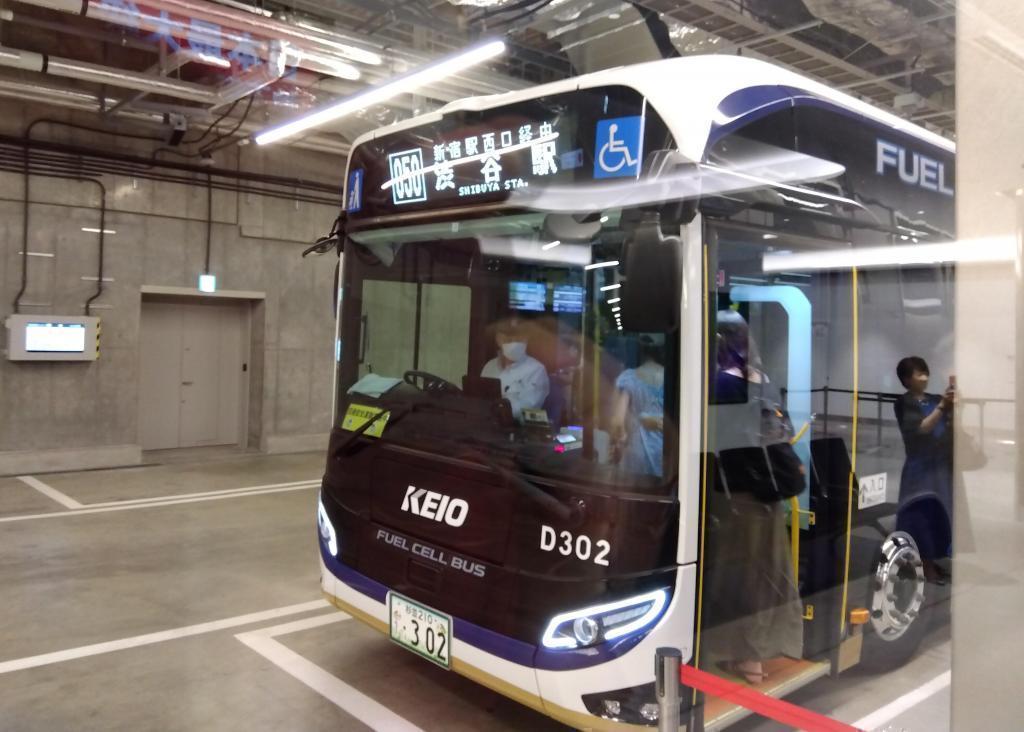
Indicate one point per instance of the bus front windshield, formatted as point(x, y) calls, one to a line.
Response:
point(500, 341)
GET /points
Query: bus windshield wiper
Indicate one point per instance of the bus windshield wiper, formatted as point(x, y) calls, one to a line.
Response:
point(393, 413)
point(549, 503)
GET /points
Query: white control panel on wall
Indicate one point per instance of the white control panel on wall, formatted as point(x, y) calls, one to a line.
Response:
point(52, 338)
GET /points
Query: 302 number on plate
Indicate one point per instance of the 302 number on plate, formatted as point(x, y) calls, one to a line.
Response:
point(420, 629)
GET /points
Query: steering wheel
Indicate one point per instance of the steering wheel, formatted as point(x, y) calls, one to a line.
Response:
point(430, 383)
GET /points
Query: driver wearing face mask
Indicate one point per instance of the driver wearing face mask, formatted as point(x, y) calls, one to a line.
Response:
point(524, 380)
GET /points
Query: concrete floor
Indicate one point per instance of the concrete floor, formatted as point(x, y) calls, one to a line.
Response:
point(184, 595)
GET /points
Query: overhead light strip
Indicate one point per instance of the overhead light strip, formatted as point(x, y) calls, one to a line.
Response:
point(995, 249)
point(376, 95)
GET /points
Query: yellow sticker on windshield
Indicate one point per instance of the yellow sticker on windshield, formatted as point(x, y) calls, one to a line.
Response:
point(359, 414)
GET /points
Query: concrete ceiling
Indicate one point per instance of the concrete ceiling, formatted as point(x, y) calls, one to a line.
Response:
point(897, 54)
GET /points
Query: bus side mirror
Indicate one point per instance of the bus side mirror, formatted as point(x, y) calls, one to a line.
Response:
point(652, 287)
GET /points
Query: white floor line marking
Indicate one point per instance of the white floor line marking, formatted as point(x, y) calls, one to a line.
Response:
point(158, 504)
point(50, 492)
point(224, 492)
point(349, 699)
point(70, 654)
point(911, 699)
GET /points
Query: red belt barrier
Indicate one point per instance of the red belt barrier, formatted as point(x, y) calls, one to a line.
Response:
point(755, 701)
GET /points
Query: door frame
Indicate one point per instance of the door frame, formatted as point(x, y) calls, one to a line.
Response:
point(253, 338)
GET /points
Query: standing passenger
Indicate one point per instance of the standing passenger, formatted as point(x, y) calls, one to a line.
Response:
point(752, 593)
point(926, 483)
point(638, 420)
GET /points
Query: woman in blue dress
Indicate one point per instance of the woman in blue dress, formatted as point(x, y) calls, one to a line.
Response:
point(926, 484)
point(638, 422)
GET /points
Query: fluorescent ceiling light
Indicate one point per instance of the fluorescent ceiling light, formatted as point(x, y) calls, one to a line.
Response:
point(339, 68)
point(377, 94)
point(92, 230)
point(598, 265)
point(610, 287)
point(616, 309)
point(551, 245)
point(352, 52)
point(614, 300)
point(994, 249)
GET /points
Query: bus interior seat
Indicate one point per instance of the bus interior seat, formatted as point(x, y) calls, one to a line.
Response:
point(742, 468)
point(830, 466)
point(712, 470)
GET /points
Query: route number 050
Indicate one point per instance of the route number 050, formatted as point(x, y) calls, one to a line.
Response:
point(581, 545)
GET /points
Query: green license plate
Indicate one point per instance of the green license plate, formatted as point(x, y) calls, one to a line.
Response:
point(420, 629)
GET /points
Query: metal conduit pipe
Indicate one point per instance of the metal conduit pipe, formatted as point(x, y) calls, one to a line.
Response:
point(311, 47)
point(100, 167)
point(292, 186)
point(67, 68)
point(8, 165)
point(10, 160)
point(134, 165)
point(74, 99)
point(223, 24)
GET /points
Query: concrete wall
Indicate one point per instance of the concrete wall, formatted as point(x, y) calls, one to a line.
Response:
point(87, 411)
point(988, 588)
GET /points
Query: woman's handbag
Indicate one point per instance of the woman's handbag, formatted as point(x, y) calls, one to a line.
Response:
point(967, 452)
point(772, 473)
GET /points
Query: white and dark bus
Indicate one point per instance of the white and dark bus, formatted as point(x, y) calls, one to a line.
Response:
point(594, 396)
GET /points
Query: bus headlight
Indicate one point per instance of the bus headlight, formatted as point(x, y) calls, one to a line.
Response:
point(327, 534)
point(592, 625)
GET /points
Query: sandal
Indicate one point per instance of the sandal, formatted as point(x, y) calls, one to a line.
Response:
point(752, 675)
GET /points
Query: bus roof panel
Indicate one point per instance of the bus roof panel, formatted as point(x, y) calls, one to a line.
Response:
point(688, 93)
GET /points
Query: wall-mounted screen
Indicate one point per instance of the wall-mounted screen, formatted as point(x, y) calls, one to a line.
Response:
point(55, 337)
point(568, 299)
point(52, 338)
point(527, 296)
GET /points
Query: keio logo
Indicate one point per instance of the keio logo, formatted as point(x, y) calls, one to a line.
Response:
point(436, 506)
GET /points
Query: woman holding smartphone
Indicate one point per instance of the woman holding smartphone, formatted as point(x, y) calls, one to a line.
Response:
point(926, 484)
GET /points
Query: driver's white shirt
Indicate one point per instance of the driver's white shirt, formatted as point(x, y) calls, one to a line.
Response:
point(525, 384)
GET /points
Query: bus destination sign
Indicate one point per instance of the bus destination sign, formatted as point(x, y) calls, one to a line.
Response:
point(477, 157)
point(481, 155)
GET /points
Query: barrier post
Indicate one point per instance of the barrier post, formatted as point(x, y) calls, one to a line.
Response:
point(666, 672)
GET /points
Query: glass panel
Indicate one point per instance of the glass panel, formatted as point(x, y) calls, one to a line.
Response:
point(507, 345)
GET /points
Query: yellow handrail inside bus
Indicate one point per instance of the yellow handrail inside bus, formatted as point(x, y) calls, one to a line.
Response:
point(794, 537)
point(794, 516)
point(853, 449)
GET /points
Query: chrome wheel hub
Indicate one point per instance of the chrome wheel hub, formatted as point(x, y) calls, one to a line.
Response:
point(898, 587)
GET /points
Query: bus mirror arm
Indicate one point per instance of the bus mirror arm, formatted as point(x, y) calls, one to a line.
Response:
point(333, 240)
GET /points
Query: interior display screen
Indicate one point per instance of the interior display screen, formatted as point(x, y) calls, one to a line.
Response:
point(468, 157)
point(568, 299)
point(527, 296)
point(55, 337)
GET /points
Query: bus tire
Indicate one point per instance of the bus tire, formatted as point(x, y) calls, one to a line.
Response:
point(896, 601)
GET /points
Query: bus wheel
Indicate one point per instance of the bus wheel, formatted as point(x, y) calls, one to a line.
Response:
point(896, 601)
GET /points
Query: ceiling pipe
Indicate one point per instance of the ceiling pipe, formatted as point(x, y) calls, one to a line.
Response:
point(215, 25)
point(311, 46)
point(70, 69)
point(86, 102)
point(254, 78)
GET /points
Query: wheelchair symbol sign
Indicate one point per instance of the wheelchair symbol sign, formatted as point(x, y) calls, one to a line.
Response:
point(617, 149)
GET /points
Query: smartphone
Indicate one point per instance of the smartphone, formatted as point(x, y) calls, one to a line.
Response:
point(952, 381)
